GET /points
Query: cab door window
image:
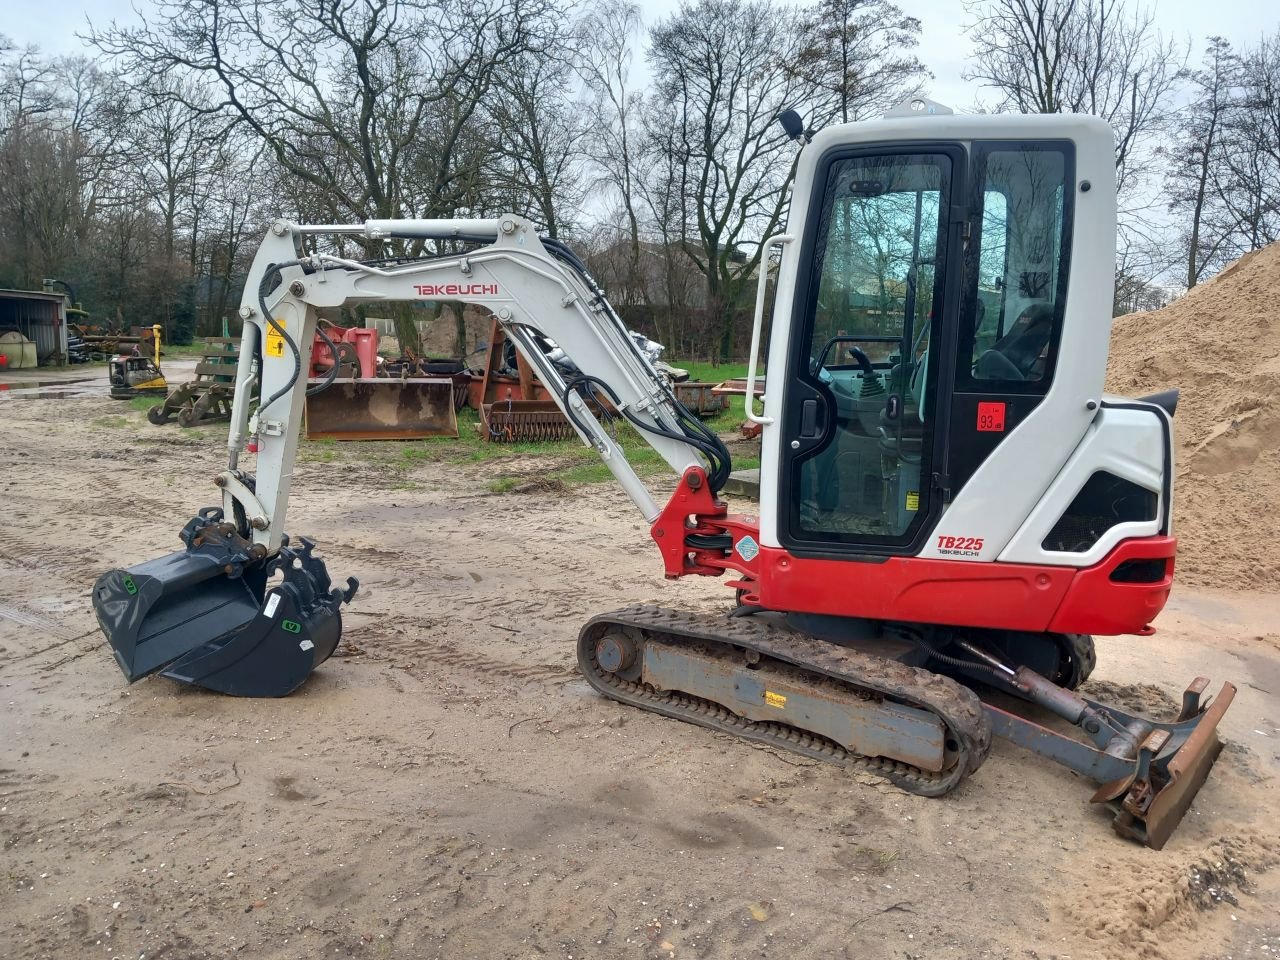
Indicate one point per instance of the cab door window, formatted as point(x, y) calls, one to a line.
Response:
point(878, 265)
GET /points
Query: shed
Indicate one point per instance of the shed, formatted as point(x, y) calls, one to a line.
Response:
point(40, 317)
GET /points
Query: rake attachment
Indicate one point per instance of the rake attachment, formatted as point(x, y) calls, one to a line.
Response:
point(521, 421)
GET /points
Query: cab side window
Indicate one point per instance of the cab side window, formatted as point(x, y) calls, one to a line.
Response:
point(1018, 269)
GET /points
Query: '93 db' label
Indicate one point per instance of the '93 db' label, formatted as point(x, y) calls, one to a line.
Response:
point(990, 417)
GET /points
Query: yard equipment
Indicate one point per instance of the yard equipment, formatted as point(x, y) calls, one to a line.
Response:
point(206, 398)
point(134, 375)
point(701, 397)
point(949, 508)
point(361, 401)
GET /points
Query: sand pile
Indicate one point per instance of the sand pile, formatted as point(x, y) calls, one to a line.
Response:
point(1219, 345)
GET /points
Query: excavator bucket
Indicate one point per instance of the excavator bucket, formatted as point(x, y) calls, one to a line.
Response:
point(204, 616)
point(383, 408)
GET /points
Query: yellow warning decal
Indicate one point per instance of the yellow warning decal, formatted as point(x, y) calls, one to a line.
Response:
point(275, 340)
point(775, 699)
point(913, 500)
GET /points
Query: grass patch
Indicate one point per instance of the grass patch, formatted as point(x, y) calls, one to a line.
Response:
point(143, 404)
point(704, 372)
point(874, 861)
point(175, 350)
point(317, 455)
point(529, 467)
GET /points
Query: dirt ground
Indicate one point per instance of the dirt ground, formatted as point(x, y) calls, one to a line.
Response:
point(448, 787)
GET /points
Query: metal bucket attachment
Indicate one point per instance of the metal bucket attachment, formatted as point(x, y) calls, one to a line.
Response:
point(203, 615)
point(382, 408)
point(701, 398)
point(518, 421)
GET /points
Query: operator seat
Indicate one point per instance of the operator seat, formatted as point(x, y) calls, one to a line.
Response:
point(1015, 355)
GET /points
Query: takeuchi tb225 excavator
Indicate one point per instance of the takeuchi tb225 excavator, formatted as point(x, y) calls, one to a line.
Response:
point(950, 506)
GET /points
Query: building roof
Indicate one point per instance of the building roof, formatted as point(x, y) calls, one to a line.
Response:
point(32, 295)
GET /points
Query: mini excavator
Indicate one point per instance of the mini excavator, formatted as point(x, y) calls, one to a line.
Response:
point(950, 506)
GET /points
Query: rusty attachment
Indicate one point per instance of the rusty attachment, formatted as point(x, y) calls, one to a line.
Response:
point(1173, 764)
point(521, 421)
point(383, 408)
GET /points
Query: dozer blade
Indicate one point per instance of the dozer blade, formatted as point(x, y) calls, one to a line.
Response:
point(1167, 780)
point(203, 615)
point(382, 408)
point(1150, 771)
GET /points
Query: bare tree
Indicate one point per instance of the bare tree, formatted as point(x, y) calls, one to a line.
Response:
point(1250, 187)
point(540, 132)
point(857, 58)
point(722, 74)
point(58, 160)
point(26, 85)
point(606, 34)
point(347, 96)
point(1079, 56)
point(1196, 160)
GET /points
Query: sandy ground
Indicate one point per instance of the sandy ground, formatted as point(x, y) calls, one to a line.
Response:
point(448, 787)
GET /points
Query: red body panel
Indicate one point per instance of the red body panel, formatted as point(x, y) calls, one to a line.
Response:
point(1099, 605)
point(998, 595)
point(1003, 596)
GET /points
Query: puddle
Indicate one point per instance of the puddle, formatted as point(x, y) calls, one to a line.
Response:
point(94, 387)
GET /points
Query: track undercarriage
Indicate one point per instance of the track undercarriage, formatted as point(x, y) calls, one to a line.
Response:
point(887, 714)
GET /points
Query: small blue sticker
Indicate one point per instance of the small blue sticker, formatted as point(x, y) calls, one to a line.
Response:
point(747, 548)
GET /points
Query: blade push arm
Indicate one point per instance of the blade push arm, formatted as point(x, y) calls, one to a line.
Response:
point(533, 287)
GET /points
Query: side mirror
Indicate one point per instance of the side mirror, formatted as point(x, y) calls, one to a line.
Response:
point(793, 126)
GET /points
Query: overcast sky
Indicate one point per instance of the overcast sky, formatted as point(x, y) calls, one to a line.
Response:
point(53, 25)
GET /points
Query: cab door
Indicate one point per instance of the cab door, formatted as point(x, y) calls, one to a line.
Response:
point(870, 365)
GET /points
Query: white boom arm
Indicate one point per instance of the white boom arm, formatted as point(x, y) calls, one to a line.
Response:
point(522, 281)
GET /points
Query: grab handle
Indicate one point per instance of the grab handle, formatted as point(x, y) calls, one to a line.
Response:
point(778, 240)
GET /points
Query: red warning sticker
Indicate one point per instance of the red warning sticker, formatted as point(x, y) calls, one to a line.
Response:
point(990, 417)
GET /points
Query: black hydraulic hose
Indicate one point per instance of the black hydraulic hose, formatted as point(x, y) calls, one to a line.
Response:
point(333, 372)
point(266, 314)
point(698, 444)
point(695, 432)
point(957, 662)
point(574, 384)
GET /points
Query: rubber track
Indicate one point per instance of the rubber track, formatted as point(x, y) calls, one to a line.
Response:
point(957, 707)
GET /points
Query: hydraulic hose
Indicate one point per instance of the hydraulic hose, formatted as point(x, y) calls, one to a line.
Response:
point(293, 346)
point(694, 430)
point(715, 476)
point(957, 662)
point(272, 269)
point(333, 371)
